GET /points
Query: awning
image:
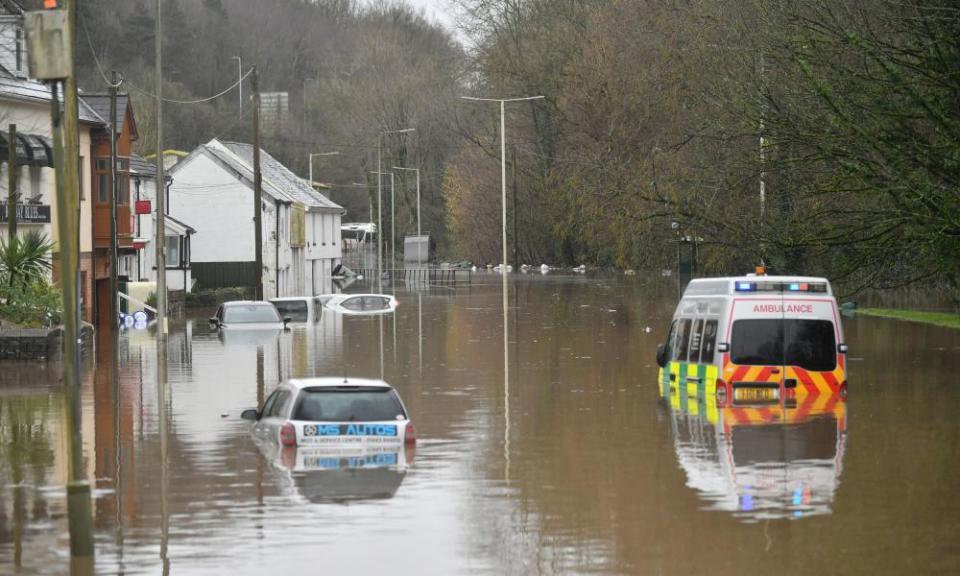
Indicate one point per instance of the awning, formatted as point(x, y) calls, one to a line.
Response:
point(32, 149)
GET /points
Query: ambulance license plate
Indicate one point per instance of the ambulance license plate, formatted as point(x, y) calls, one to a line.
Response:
point(756, 394)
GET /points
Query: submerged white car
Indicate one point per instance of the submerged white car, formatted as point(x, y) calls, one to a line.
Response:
point(359, 303)
point(248, 315)
point(304, 309)
point(314, 412)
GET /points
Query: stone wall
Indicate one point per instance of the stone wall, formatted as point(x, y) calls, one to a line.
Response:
point(40, 343)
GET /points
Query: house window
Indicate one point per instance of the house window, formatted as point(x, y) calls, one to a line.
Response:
point(102, 170)
point(173, 251)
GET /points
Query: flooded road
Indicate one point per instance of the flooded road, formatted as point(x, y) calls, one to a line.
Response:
point(568, 460)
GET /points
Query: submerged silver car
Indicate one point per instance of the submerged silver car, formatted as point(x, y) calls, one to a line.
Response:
point(248, 315)
point(332, 412)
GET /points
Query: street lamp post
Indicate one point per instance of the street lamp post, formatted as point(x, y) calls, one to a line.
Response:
point(380, 209)
point(379, 197)
point(310, 160)
point(417, 170)
point(503, 162)
point(240, 81)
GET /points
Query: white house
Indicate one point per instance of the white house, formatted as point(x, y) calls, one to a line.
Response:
point(212, 189)
point(178, 234)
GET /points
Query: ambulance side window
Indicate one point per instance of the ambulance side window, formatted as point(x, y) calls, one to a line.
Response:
point(709, 342)
point(668, 353)
point(695, 339)
point(683, 340)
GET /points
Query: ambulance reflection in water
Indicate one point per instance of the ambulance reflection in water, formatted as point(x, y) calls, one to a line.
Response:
point(343, 473)
point(780, 460)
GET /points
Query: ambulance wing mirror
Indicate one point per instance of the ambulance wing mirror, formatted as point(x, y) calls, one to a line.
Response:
point(723, 347)
point(842, 348)
point(661, 355)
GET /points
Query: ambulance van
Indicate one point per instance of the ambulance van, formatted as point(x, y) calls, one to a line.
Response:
point(754, 340)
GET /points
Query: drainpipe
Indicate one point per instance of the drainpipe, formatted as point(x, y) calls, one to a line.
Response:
point(276, 262)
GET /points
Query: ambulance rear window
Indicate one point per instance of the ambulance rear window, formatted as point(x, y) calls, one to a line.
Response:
point(809, 344)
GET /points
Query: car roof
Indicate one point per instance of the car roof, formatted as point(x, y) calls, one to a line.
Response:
point(352, 295)
point(247, 303)
point(301, 383)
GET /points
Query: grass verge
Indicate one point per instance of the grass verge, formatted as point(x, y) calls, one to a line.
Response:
point(946, 319)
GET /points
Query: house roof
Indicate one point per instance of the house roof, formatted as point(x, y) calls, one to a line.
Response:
point(186, 227)
point(281, 177)
point(11, 7)
point(141, 166)
point(27, 90)
point(100, 103)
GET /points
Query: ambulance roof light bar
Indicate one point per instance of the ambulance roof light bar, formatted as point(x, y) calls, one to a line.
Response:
point(754, 286)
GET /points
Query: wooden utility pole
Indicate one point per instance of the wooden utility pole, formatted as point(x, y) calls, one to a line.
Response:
point(52, 58)
point(114, 287)
point(12, 196)
point(161, 211)
point(257, 187)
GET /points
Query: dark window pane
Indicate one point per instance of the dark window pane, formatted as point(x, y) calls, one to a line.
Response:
point(709, 341)
point(695, 340)
point(103, 188)
point(355, 304)
point(810, 344)
point(348, 405)
point(268, 405)
point(280, 404)
point(250, 313)
point(683, 339)
point(296, 309)
point(757, 342)
point(668, 353)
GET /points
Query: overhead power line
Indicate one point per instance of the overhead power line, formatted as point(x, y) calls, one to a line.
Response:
point(103, 76)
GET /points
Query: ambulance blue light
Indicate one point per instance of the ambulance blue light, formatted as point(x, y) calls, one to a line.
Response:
point(795, 287)
point(746, 286)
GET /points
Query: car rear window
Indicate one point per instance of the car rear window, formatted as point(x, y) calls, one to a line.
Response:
point(297, 310)
point(809, 344)
point(348, 404)
point(248, 313)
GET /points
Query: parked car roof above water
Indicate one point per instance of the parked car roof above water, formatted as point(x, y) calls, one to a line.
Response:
point(360, 303)
point(301, 383)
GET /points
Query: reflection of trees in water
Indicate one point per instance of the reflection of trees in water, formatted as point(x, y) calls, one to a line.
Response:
point(26, 457)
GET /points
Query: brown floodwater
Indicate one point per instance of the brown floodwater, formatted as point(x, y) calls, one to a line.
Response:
point(566, 459)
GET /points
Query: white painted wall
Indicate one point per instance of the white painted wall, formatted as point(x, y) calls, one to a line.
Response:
point(215, 202)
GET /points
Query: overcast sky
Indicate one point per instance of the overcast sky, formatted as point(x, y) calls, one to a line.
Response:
point(437, 10)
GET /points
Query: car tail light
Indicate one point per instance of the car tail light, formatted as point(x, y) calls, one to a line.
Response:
point(410, 434)
point(288, 435)
point(721, 393)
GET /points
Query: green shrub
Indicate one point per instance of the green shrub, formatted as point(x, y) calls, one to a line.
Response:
point(216, 297)
point(31, 305)
point(25, 258)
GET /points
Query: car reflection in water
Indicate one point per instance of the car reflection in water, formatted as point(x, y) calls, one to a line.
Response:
point(780, 460)
point(342, 474)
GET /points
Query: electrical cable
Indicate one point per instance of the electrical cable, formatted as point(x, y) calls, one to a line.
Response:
point(96, 61)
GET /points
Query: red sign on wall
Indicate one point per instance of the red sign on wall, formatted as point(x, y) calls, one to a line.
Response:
point(143, 207)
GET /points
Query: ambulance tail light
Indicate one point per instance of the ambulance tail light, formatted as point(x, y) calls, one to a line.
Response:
point(843, 389)
point(409, 434)
point(288, 435)
point(721, 393)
